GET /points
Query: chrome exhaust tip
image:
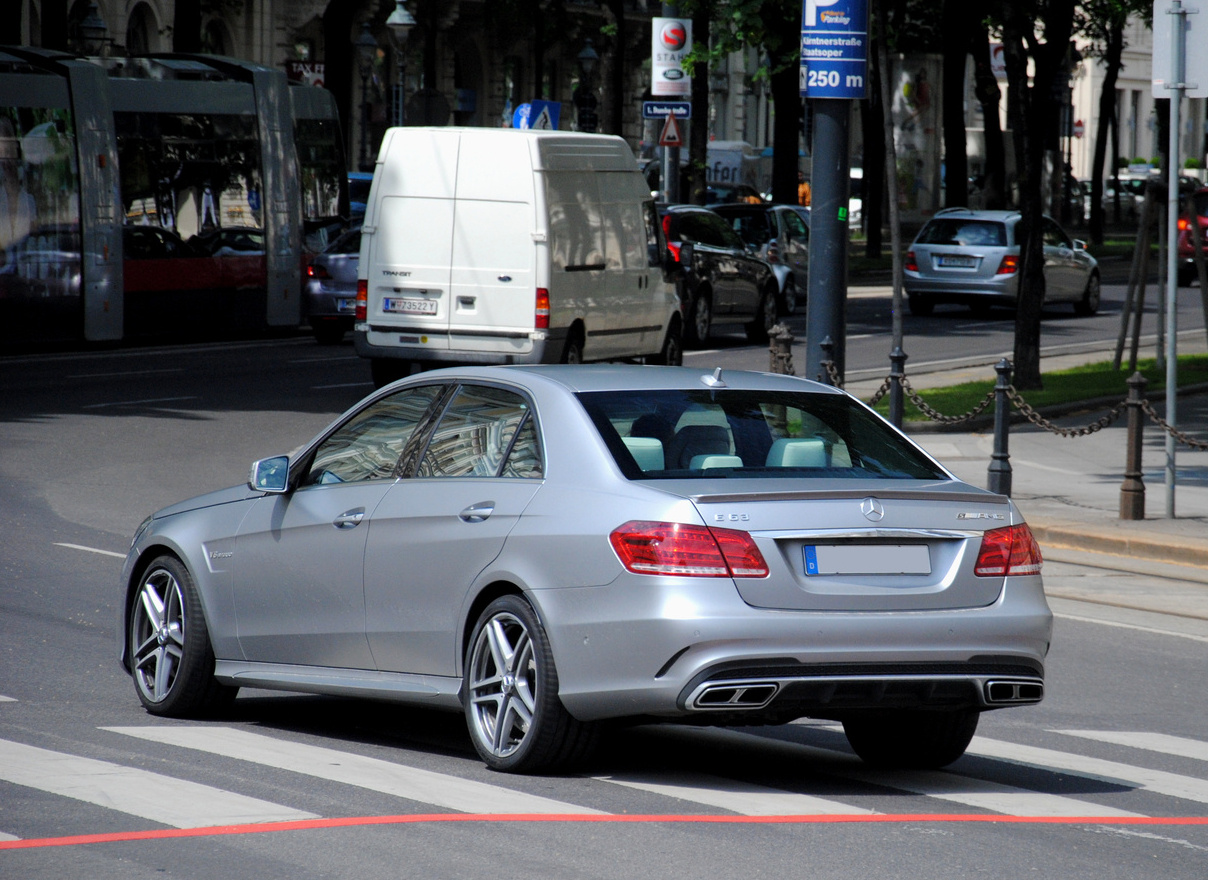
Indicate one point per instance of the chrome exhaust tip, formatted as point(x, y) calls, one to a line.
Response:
point(735, 695)
point(1000, 693)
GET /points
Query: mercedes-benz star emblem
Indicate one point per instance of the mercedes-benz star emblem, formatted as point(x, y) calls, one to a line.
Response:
point(872, 509)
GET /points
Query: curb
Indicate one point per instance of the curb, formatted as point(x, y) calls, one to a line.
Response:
point(1164, 548)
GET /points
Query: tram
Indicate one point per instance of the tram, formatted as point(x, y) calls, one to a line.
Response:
point(159, 193)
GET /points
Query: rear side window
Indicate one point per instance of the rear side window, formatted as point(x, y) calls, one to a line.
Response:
point(684, 434)
point(963, 232)
point(484, 432)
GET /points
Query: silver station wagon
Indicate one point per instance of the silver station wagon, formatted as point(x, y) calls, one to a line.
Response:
point(972, 257)
point(547, 547)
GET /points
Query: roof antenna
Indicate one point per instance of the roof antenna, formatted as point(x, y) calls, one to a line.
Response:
point(714, 381)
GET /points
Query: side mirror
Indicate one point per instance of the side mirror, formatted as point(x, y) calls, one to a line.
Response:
point(1079, 244)
point(270, 475)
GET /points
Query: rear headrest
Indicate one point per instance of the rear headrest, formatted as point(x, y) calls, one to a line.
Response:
point(797, 453)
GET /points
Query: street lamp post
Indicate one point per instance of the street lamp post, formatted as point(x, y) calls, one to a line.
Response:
point(585, 96)
point(400, 24)
point(93, 35)
point(366, 49)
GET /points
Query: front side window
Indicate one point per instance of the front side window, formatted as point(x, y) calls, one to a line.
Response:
point(484, 432)
point(368, 445)
point(678, 434)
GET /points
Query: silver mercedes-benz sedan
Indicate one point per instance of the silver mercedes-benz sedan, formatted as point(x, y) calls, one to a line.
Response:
point(545, 548)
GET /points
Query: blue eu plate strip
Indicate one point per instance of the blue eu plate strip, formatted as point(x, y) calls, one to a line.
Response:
point(811, 559)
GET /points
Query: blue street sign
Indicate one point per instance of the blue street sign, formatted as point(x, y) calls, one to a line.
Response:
point(662, 109)
point(834, 48)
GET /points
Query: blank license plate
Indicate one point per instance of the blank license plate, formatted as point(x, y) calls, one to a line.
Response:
point(823, 559)
point(957, 262)
point(409, 306)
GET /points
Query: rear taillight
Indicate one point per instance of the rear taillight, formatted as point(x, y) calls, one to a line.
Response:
point(1183, 224)
point(687, 550)
point(1009, 265)
point(912, 265)
point(675, 251)
point(313, 271)
point(1009, 551)
point(362, 300)
point(542, 311)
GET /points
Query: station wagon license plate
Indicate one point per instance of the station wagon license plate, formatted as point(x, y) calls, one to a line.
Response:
point(957, 262)
point(824, 559)
point(408, 305)
point(346, 304)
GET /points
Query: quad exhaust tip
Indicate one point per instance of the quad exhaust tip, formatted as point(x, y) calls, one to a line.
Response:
point(1000, 693)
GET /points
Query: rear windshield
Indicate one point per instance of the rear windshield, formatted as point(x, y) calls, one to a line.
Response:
point(964, 232)
point(707, 434)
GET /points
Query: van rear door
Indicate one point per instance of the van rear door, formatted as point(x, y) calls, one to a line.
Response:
point(408, 271)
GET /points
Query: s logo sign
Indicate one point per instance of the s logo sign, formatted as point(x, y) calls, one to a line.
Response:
point(673, 36)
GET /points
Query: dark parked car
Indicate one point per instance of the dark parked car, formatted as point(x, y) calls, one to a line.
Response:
point(723, 282)
point(331, 288)
point(779, 234)
point(1187, 270)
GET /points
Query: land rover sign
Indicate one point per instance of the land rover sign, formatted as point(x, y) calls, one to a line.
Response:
point(834, 48)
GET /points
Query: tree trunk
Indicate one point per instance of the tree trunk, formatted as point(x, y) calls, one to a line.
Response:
point(994, 177)
point(786, 134)
point(956, 25)
point(1107, 112)
point(1031, 121)
point(698, 143)
point(873, 118)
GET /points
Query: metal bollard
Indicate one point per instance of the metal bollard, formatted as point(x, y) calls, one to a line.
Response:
point(1132, 491)
point(828, 362)
point(780, 350)
point(897, 372)
point(1000, 459)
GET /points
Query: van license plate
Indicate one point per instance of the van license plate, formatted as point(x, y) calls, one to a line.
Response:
point(408, 306)
point(823, 559)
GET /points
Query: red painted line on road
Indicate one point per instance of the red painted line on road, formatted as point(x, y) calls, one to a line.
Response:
point(421, 818)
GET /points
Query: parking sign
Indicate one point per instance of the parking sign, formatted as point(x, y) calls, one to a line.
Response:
point(834, 48)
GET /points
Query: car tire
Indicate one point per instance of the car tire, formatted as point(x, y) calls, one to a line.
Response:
point(920, 305)
point(1186, 275)
point(765, 317)
point(170, 654)
point(788, 297)
point(572, 352)
point(672, 353)
point(387, 370)
point(699, 320)
point(516, 721)
point(909, 739)
point(1089, 303)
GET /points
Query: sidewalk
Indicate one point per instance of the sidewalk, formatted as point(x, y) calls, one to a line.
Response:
point(1068, 489)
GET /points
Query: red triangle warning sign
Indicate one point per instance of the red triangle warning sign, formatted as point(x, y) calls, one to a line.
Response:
point(671, 136)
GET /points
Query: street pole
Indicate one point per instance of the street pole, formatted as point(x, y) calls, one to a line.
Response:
point(825, 316)
point(671, 155)
point(1177, 86)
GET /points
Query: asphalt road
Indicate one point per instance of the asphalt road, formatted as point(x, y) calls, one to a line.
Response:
point(1104, 779)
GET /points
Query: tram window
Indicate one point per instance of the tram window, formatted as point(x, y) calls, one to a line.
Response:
point(321, 164)
point(190, 173)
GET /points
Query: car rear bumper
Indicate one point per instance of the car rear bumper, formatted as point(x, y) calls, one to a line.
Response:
point(1003, 292)
point(695, 651)
point(442, 347)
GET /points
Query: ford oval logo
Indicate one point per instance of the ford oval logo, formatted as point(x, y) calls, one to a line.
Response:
point(673, 74)
point(673, 36)
point(872, 509)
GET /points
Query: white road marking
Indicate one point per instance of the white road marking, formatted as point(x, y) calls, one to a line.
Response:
point(1157, 781)
point(744, 798)
point(90, 550)
point(4, 699)
point(983, 794)
point(136, 402)
point(163, 799)
point(1154, 742)
point(1121, 625)
point(4, 836)
point(425, 786)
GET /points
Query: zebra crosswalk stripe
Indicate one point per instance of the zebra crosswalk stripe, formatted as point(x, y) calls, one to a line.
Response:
point(174, 802)
point(1154, 742)
point(387, 777)
point(746, 799)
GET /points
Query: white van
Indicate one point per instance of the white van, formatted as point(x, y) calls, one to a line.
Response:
point(506, 246)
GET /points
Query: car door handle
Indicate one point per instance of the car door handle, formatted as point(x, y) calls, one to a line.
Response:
point(349, 519)
point(477, 513)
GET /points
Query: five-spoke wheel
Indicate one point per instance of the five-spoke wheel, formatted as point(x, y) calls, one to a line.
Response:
point(515, 718)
